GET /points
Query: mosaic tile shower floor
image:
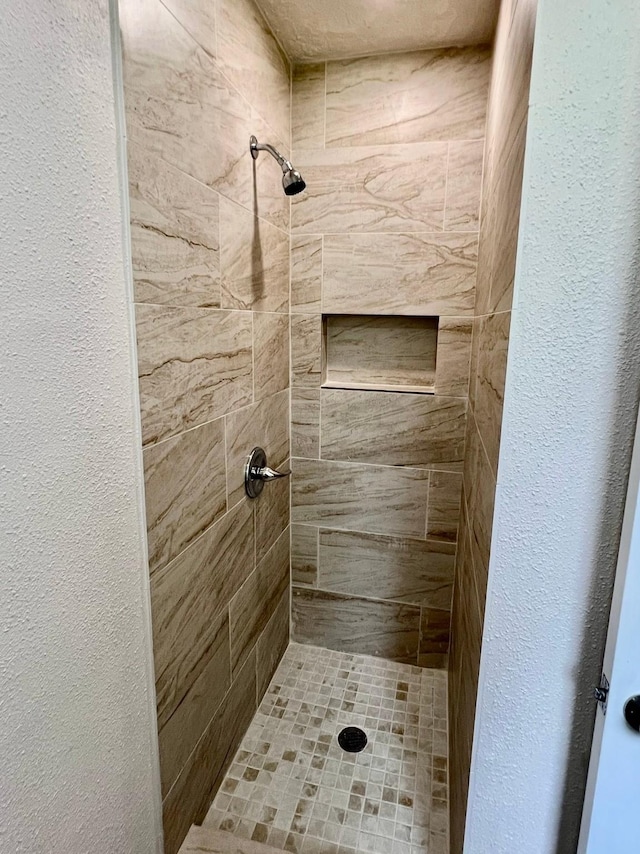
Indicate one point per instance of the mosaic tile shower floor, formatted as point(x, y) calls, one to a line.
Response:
point(292, 787)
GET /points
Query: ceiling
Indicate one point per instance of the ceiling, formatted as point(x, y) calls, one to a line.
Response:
point(311, 30)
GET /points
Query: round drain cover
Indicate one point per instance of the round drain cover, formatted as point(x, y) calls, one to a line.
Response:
point(352, 739)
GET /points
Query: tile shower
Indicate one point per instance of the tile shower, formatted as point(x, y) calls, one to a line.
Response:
point(358, 334)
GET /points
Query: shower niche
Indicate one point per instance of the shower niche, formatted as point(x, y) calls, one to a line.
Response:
point(380, 352)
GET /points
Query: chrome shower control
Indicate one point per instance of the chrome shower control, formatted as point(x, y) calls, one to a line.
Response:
point(256, 472)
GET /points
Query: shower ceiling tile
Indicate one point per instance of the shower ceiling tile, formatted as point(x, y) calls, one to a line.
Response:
point(412, 97)
point(174, 234)
point(408, 274)
point(372, 188)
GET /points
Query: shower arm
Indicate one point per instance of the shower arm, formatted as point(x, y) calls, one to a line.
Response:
point(256, 147)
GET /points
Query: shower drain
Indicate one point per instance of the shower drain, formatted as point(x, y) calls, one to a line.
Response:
point(352, 739)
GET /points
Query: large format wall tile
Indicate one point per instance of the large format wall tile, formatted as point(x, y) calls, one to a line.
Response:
point(175, 244)
point(371, 498)
point(185, 489)
point(411, 97)
point(194, 365)
point(372, 188)
point(271, 354)
point(393, 429)
point(187, 594)
point(198, 17)
point(454, 354)
point(306, 273)
point(304, 555)
point(305, 422)
point(464, 185)
point(264, 424)
point(306, 350)
point(399, 568)
point(193, 791)
point(493, 343)
point(307, 106)
point(434, 638)
point(257, 599)
point(273, 642)
point(444, 506)
point(272, 513)
point(418, 274)
point(251, 58)
point(352, 624)
point(254, 259)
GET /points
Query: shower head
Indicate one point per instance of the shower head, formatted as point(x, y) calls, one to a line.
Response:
point(292, 181)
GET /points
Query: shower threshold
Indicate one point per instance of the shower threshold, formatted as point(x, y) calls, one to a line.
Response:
point(291, 787)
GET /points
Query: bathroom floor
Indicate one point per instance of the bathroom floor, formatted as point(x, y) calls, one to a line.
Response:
point(293, 787)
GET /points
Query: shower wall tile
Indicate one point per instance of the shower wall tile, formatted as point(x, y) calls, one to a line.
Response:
point(256, 601)
point(434, 637)
point(273, 642)
point(180, 733)
point(411, 97)
point(185, 489)
point(404, 274)
point(378, 499)
point(444, 506)
point(305, 422)
point(393, 429)
point(307, 106)
point(193, 791)
point(186, 596)
point(353, 624)
point(371, 188)
point(198, 17)
point(254, 259)
point(271, 354)
point(264, 424)
point(194, 365)
point(306, 350)
point(464, 185)
point(304, 555)
point(454, 353)
point(252, 60)
point(491, 368)
point(272, 513)
point(175, 243)
point(306, 273)
point(400, 568)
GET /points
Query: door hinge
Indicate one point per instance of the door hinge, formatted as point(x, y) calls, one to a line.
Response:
point(601, 693)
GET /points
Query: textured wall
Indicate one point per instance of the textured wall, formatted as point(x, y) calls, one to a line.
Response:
point(210, 247)
point(501, 196)
point(79, 761)
point(571, 401)
point(391, 148)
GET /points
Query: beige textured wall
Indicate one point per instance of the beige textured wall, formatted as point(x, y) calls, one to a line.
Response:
point(392, 149)
point(210, 245)
point(506, 132)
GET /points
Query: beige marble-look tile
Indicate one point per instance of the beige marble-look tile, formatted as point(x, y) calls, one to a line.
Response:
point(273, 642)
point(255, 602)
point(209, 840)
point(181, 731)
point(443, 515)
point(264, 424)
point(479, 492)
point(251, 58)
point(407, 570)
point(381, 351)
point(305, 422)
point(393, 429)
point(355, 624)
point(307, 106)
point(410, 97)
point(198, 17)
point(273, 510)
point(306, 273)
point(414, 274)
point(192, 793)
point(185, 489)
point(370, 498)
point(454, 353)
point(371, 188)
point(304, 555)
point(194, 365)
point(464, 185)
point(306, 350)
point(180, 107)
point(271, 354)
point(254, 261)
point(175, 243)
point(493, 345)
point(186, 596)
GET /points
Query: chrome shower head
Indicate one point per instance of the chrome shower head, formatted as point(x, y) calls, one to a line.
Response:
point(292, 181)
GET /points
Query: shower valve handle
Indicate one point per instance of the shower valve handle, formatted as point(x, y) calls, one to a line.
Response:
point(257, 473)
point(267, 473)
